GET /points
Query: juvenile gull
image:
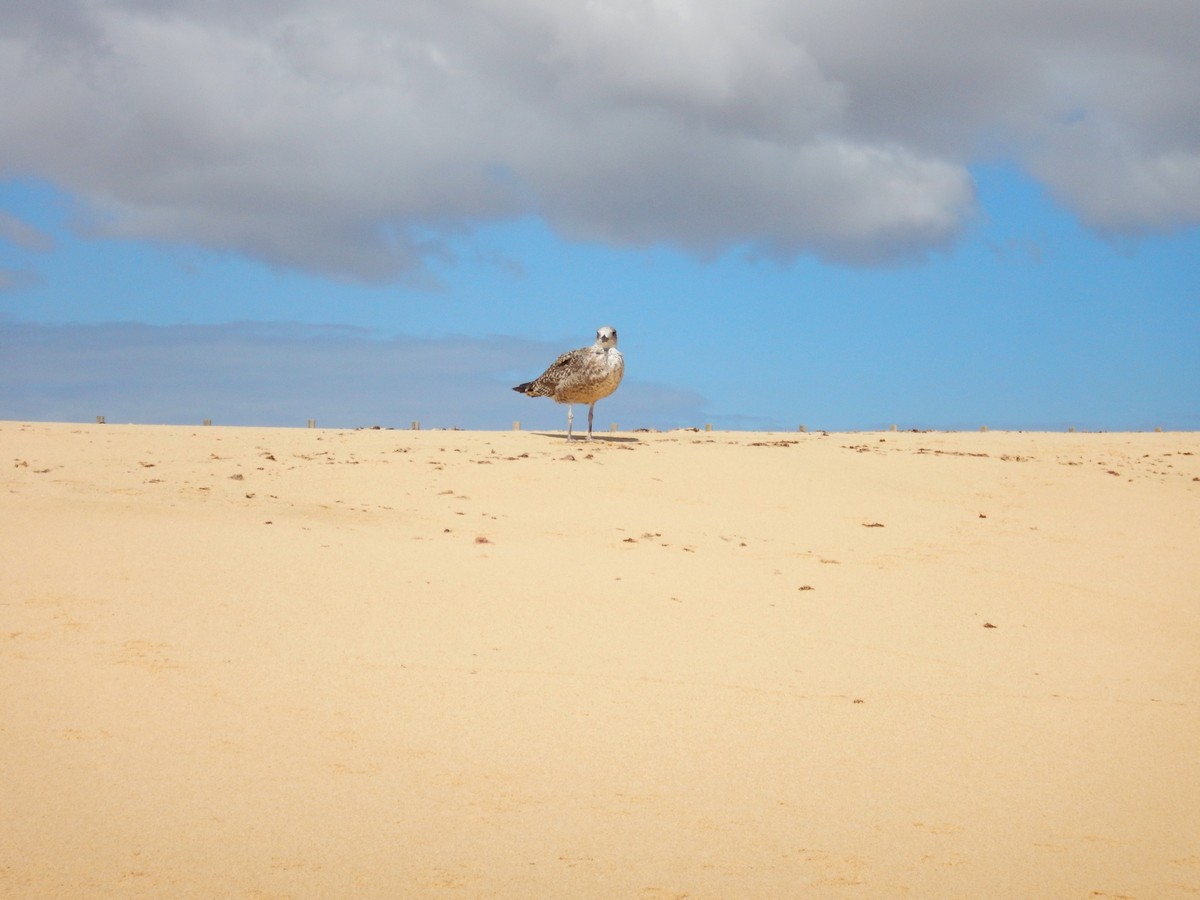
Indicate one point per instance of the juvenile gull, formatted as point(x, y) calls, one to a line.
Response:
point(581, 376)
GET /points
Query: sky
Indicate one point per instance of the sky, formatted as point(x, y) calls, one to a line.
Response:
point(842, 214)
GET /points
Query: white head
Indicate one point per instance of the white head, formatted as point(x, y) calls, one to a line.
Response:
point(606, 336)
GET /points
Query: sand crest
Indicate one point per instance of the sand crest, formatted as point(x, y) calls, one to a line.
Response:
point(245, 662)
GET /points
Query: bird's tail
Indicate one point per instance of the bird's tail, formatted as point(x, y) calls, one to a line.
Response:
point(529, 389)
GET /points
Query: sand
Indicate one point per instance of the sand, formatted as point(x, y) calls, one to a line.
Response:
point(242, 662)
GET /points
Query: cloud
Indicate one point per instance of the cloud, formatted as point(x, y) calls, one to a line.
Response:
point(352, 140)
point(16, 279)
point(255, 373)
point(28, 237)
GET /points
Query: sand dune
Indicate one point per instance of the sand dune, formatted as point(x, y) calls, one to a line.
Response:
point(246, 662)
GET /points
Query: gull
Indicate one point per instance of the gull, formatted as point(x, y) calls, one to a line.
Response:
point(581, 376)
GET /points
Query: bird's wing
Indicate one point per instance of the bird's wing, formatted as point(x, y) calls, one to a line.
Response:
point(555, 371)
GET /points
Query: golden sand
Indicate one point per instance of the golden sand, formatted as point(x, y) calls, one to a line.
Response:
point(244, 662)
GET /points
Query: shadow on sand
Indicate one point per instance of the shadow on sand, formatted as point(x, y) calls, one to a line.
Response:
point(596, 438)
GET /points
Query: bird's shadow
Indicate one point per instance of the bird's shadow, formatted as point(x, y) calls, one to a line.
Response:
point(596, 438)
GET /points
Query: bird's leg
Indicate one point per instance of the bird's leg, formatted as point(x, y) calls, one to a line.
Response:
point(591, 412)
point(570, 419)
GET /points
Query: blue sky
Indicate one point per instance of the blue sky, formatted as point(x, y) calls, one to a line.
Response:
point(805, 230)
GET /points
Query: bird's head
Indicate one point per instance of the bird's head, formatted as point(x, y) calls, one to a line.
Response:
point(606, 336)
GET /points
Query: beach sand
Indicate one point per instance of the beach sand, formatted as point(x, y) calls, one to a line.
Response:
point(251, 662)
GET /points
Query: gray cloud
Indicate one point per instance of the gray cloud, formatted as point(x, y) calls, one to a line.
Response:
point(16, 279)
point(248, 373)
point(22, 234)
point(352, 139)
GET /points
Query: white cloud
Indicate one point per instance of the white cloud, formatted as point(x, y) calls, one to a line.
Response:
point(350, 139)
